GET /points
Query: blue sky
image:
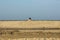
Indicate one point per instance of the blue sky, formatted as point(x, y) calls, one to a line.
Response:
point(23, 9)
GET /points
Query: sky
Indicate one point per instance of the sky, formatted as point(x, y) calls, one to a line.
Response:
point(36, 9)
